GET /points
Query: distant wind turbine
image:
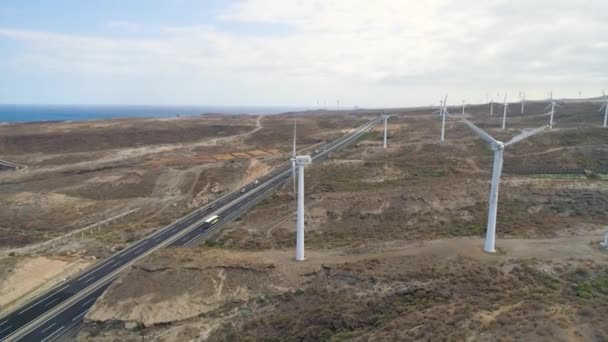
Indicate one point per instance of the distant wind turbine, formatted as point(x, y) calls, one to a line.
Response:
point(385, 117)
point(552, 106)
point(504, 113)
point(442, 111)
point(293, 158)
point(605, 107)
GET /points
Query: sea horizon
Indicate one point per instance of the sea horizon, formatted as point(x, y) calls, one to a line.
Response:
point(26, 113)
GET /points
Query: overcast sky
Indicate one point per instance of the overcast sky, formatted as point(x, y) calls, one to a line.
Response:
point(300, 52)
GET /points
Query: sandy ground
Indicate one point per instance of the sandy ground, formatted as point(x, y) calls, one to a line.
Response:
point(31, 276)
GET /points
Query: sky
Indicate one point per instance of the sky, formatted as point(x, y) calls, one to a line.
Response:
point(381, 53)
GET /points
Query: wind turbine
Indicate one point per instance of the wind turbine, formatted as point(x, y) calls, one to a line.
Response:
point(293, 158)
point(463, 105)
point(444, 112)
point(498, 148)
point(605, 107)
point(504, 113)
point(440, 107)
point(523, 100)
point(300, 161)
point(491, 106)
point(385, 117)
point(552, 105)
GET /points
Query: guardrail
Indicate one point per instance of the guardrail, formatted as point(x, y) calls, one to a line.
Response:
point(12, 165)
point(56, 241)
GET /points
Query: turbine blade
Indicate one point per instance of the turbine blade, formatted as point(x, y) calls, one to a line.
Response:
point(526, 134)
point(482, 134)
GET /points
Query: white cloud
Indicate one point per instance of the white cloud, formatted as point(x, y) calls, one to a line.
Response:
point(382, 52)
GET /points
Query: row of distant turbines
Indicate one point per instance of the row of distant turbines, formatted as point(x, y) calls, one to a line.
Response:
point(551, 106)
point(298, 162)
point(498, 148)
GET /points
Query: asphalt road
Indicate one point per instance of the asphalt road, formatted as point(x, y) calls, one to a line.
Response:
point(51, 314)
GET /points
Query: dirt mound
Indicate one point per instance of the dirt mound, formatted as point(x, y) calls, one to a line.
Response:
point(27, 277)
point(170, 289)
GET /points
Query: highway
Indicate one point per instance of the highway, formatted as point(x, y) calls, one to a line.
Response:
point(6, 166)
point(48, 316)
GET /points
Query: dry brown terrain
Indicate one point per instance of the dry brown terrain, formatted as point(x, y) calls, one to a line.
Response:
point(393, 237)
point(79, 173)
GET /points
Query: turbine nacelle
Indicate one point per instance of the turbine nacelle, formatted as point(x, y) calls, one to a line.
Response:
point(497, 146)
point(302, 160)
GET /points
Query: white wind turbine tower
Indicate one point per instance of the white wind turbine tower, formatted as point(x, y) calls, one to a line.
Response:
point(463, 105)
point(491, 106)
point(552, 105)
point(300, 161)
point(504, 113)
point(293, 158)
point(523, 100)
point(385, 117)
point(498, 148)
point(605, 108)
point(444, 112)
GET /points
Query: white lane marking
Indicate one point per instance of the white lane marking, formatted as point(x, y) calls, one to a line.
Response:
point(43, 299)
point(84, 276)
point(89, 279)
point(88, 301)
point(51, 302)
point(5, 329)
point(114, 264)
point(49, 327)
point(77, 317)
point(3, 323)
point(194, 238)
point(139, 250)
point(53, 334)
point(158, 239)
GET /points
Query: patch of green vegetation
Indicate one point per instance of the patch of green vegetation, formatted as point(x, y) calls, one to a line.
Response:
point(557, 176)
point(596, 288)
point(321, 315)
point(466, 229)
point(429, 172)
point(346, 335)
point(214, 243)
point(369, 136)
point(541, 278)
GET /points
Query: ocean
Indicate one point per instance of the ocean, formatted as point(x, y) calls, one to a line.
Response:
point(31, 113)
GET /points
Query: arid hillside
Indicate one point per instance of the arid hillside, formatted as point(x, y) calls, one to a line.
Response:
point(394, 246)
point(80, 173)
